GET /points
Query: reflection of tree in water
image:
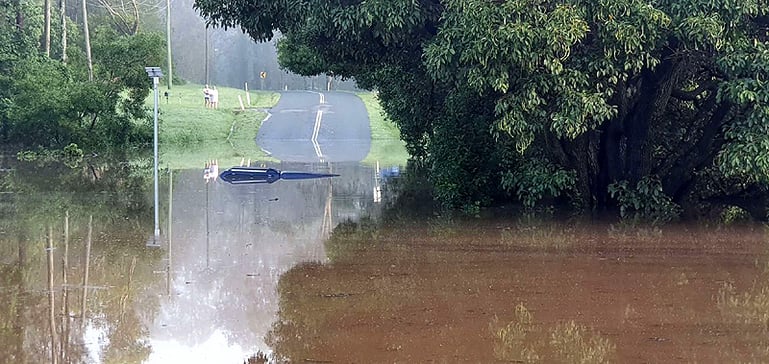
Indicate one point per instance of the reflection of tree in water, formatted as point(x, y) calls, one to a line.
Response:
point(290, 334)
point(748, 308)
point(523, 341)
point(61, 201)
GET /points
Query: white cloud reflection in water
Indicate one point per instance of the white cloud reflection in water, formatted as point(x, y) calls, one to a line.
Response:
point(224, 297)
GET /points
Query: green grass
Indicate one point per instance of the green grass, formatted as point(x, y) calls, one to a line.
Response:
point(190, 134)
point(386, 146)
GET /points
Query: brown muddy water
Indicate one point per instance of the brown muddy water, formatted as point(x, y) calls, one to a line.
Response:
point(320, 272)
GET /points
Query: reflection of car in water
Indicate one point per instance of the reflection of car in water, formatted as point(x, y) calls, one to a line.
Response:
point(390, 173)
point(250, 175)
point(383, 176)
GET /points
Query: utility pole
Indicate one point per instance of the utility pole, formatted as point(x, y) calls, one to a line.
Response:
point(155, 73)
point(206, 56)
point(168, 44)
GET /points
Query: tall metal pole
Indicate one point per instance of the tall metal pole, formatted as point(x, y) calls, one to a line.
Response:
point(168, 43)
point(206, 55)
point(208, 234)
point(155, 169)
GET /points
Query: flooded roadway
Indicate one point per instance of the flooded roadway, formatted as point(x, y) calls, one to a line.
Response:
point(316, 271)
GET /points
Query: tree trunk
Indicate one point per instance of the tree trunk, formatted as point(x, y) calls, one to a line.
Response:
point(87, 41)
point(700, 154)
point(655, 89)
point(63, 17)
point(47, 28)
point(19, 16)
point(582, 153)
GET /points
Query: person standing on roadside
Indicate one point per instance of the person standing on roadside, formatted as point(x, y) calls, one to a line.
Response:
point(214, 93)
point(207, 96)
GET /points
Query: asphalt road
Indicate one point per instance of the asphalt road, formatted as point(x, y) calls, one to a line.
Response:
point(316, 127)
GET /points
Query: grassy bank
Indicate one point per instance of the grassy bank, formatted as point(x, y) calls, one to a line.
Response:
point(386, 146)
point(191, 134)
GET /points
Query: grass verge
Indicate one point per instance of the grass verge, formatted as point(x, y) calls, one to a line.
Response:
point(386, 146)
point(191, 134)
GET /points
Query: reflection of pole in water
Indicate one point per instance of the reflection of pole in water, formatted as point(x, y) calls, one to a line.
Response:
point(65, 291)
point(51, 300)
point(327, 218)
point(328, 223)
point(208, 232)
point(125, 298)
point(21, 320)
point(170, 232)
point(377, 185)
point(87, 269)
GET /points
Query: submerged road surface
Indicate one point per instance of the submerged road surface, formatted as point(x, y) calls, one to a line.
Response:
point(316, 127)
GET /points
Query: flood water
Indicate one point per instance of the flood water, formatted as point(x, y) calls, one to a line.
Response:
point(321, 271)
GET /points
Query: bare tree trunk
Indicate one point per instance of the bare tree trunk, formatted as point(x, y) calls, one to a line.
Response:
point(47, 28)
point(87, 41)
point(63, 16)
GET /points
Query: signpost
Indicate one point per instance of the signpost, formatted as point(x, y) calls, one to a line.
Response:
point(155, 73)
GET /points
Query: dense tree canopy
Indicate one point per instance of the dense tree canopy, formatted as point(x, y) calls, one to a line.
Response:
point(49, 104)
point(644, 105)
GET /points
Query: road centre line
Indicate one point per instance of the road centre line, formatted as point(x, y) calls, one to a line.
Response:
point(315, 131)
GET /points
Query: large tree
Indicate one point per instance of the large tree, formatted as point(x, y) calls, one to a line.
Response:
point(642, 104)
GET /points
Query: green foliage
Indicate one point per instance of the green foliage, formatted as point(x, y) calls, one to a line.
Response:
point(533, 180)
point(645, 202)
point(610, 90)
point(461, 154)
point(733, 215)
point(46, 104)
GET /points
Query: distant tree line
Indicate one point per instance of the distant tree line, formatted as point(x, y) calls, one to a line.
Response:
point(61, 85)
point(644, 108)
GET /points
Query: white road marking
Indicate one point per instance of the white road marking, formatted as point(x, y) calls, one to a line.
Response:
point(315, 131)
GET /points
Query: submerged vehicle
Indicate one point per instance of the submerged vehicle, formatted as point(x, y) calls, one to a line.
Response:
point(251, 175)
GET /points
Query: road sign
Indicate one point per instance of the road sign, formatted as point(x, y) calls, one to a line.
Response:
point(263, 74)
